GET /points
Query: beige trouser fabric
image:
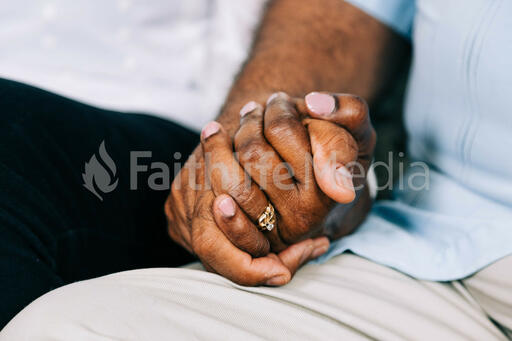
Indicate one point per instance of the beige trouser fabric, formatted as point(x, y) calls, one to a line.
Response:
point(348, 298)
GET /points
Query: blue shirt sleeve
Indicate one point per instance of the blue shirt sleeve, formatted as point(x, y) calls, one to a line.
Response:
point(397, 14)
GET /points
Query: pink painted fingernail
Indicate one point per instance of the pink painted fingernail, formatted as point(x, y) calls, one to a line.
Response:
point(227, 208)
point(344, 178)
point(251, 106)
point(320, 104)
point(210, 129)
point(276, 95)
point(272, 97)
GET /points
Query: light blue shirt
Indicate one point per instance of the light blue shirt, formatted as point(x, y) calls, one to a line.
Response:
point(458, 116)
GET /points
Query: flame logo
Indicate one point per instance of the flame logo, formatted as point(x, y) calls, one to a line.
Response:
point(98, 178)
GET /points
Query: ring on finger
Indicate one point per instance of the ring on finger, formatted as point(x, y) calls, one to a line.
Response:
point(267, 220)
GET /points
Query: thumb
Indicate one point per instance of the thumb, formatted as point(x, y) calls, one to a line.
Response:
point(299, 254)
point(348, 111)
point(334, 149)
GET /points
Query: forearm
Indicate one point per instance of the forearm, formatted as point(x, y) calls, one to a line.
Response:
point(323, 45)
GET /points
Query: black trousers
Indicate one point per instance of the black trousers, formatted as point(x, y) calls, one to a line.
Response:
point(53, 230)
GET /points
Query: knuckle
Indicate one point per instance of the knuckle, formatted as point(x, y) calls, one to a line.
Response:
point(342, 145)
point(247, 133)
point(250, 150)
point(237, 233)
point(358, 109)
point(352, 108)
point(241, 192)
point(280, 126)
point(359, 103)
point(336, 138)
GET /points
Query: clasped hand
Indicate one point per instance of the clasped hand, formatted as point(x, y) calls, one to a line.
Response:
point(300, 155)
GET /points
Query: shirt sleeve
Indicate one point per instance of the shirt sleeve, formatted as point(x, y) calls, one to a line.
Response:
point(397, 14)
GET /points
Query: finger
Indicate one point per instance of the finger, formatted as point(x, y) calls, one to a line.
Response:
point(214, 249)
point(228, 177)
point(334, 154)
point(238, 228)
point(284, 130)
point(174, 209)
point(298, 254)
point(349, 111)
point(266, 168)
point(352, 113)
point(260, 160)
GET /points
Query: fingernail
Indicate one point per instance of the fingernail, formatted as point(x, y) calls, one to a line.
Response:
point(319, 251)
point(227, 208)
point(210, 129)
point(320, 104)
point(344, 178)
point(251, 106)
point(277, 281)
point(276, 95)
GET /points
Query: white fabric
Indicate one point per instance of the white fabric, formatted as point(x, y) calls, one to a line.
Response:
point(348, 298)
point(168, 57)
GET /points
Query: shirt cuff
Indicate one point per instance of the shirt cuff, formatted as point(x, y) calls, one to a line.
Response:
point(397, 14)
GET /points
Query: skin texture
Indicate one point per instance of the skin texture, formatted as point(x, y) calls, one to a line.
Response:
point(202, 232)
point(281, 134)
point(302, 46)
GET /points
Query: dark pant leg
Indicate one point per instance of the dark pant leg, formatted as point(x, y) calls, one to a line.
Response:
point(53, 230)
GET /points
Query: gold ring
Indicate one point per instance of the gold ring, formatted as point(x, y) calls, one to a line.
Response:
point(267, 220)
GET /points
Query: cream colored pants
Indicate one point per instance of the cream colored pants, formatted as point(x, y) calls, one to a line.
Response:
point(348, 298)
